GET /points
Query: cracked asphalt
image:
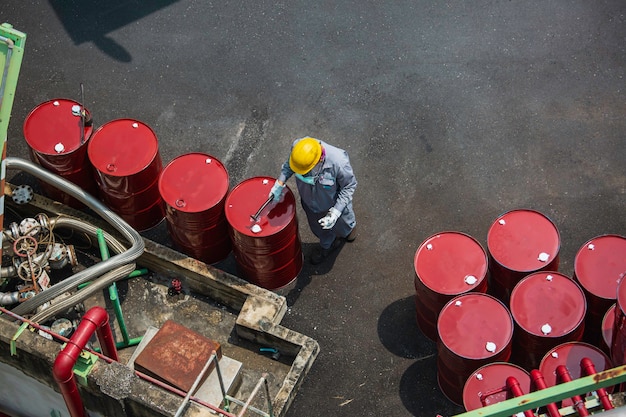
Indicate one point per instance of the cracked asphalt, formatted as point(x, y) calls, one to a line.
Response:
point(452, 113)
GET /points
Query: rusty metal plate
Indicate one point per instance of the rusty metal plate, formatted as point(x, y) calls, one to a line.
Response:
point(176, 355)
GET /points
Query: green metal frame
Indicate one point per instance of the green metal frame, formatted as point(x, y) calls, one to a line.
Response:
point(553, 394)
point(11, 54)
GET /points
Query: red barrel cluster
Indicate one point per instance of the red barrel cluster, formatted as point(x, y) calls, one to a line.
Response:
point(516, 280)
point(120, 164)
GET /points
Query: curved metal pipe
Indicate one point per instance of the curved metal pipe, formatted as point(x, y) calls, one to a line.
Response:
point(9, 298)
point(97, 285)
point(137, 243)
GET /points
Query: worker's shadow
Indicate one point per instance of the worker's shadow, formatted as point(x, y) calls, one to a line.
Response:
point(305, 276)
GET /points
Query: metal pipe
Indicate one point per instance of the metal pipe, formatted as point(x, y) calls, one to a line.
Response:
point(579, 405)
point(95, 320)
point(515, 389)
point(540, 383)
point(252, 394)
point(137, 243)
point(589, 368)
point(180, 410)
point(9, 298)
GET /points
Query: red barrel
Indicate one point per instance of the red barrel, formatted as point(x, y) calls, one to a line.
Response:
point(608, 326)
point(125, 155)
point(268, 252)
point(570, 355)
point(487, 385)
point(618, 342)
point(548, 309)
point(57, 138)
point(194, 188)
point(446, 265)
point(598, 267)
point(519, 243)
point(474, 330)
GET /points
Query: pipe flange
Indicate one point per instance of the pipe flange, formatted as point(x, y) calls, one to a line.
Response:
point(22, 194)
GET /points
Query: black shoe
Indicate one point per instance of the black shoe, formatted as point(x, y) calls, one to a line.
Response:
point(352, 236)
point(319, 254)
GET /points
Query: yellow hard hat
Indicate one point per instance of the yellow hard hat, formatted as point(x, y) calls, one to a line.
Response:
point(304, 155)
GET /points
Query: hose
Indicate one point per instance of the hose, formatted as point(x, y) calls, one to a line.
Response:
point(116, 261)
point(69, 302)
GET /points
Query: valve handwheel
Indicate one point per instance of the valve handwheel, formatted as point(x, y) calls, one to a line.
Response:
point(25, 246)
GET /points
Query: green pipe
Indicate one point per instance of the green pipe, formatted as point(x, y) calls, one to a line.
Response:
point(113, 296)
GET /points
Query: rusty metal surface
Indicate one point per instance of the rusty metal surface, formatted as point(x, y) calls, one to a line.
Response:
point(176, 355)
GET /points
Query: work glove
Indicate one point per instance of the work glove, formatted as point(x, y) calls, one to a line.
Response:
point(277, 191)
point(328, 221)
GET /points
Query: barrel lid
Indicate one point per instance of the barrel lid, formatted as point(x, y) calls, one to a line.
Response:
point(247, 197)
point(487, 385)
point(123, 147)
point(570, 354)
point(523, 240)
point(54, 127)
point(600, 264)
point(193, 182)
point(475, 326)
point(565, 298)
point(451, 263)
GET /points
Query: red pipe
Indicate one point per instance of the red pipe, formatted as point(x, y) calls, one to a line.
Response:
point(540, 383)
point(589, 368)
point(95, 320)
point(579, 405)
point(516, 390)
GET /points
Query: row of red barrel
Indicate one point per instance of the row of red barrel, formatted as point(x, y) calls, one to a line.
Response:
point(119, 162)
point(510, 303)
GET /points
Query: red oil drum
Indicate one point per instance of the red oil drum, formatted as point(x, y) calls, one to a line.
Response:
point(539, 329)
point(608, 326)
point(519, 243)
point(474, 330)
point(598, 267)
point(487, 385)
point(618, 340)
point(194, 188)
point(125, 155)
point(268, 252)
point(57, 138)
point(446, 265)
point(570, 355)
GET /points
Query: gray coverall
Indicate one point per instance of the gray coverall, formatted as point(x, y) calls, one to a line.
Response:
point(334, 187)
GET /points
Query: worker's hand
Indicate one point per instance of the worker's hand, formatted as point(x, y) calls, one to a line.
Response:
point(277, 191)
point(328, 221)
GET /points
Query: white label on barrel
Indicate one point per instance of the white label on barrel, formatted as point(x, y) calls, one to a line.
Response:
point(502, 222)
point(59, 147)
point(265, 182)
point(554, 355)
point(56, 103)
point(470, 279)
point(458, 303)
point(591, 246)
point(546, 329)
point(76, 110)
point(256, 228)
point(479, 377)
point(549, 278)
point(543, 257)
point(429, 246)
point(491, 347)
point(135, 125)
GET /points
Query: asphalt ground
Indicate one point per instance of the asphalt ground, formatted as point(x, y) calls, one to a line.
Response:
point(452, 113)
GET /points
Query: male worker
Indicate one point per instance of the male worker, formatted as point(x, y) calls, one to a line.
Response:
point(326, 184)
